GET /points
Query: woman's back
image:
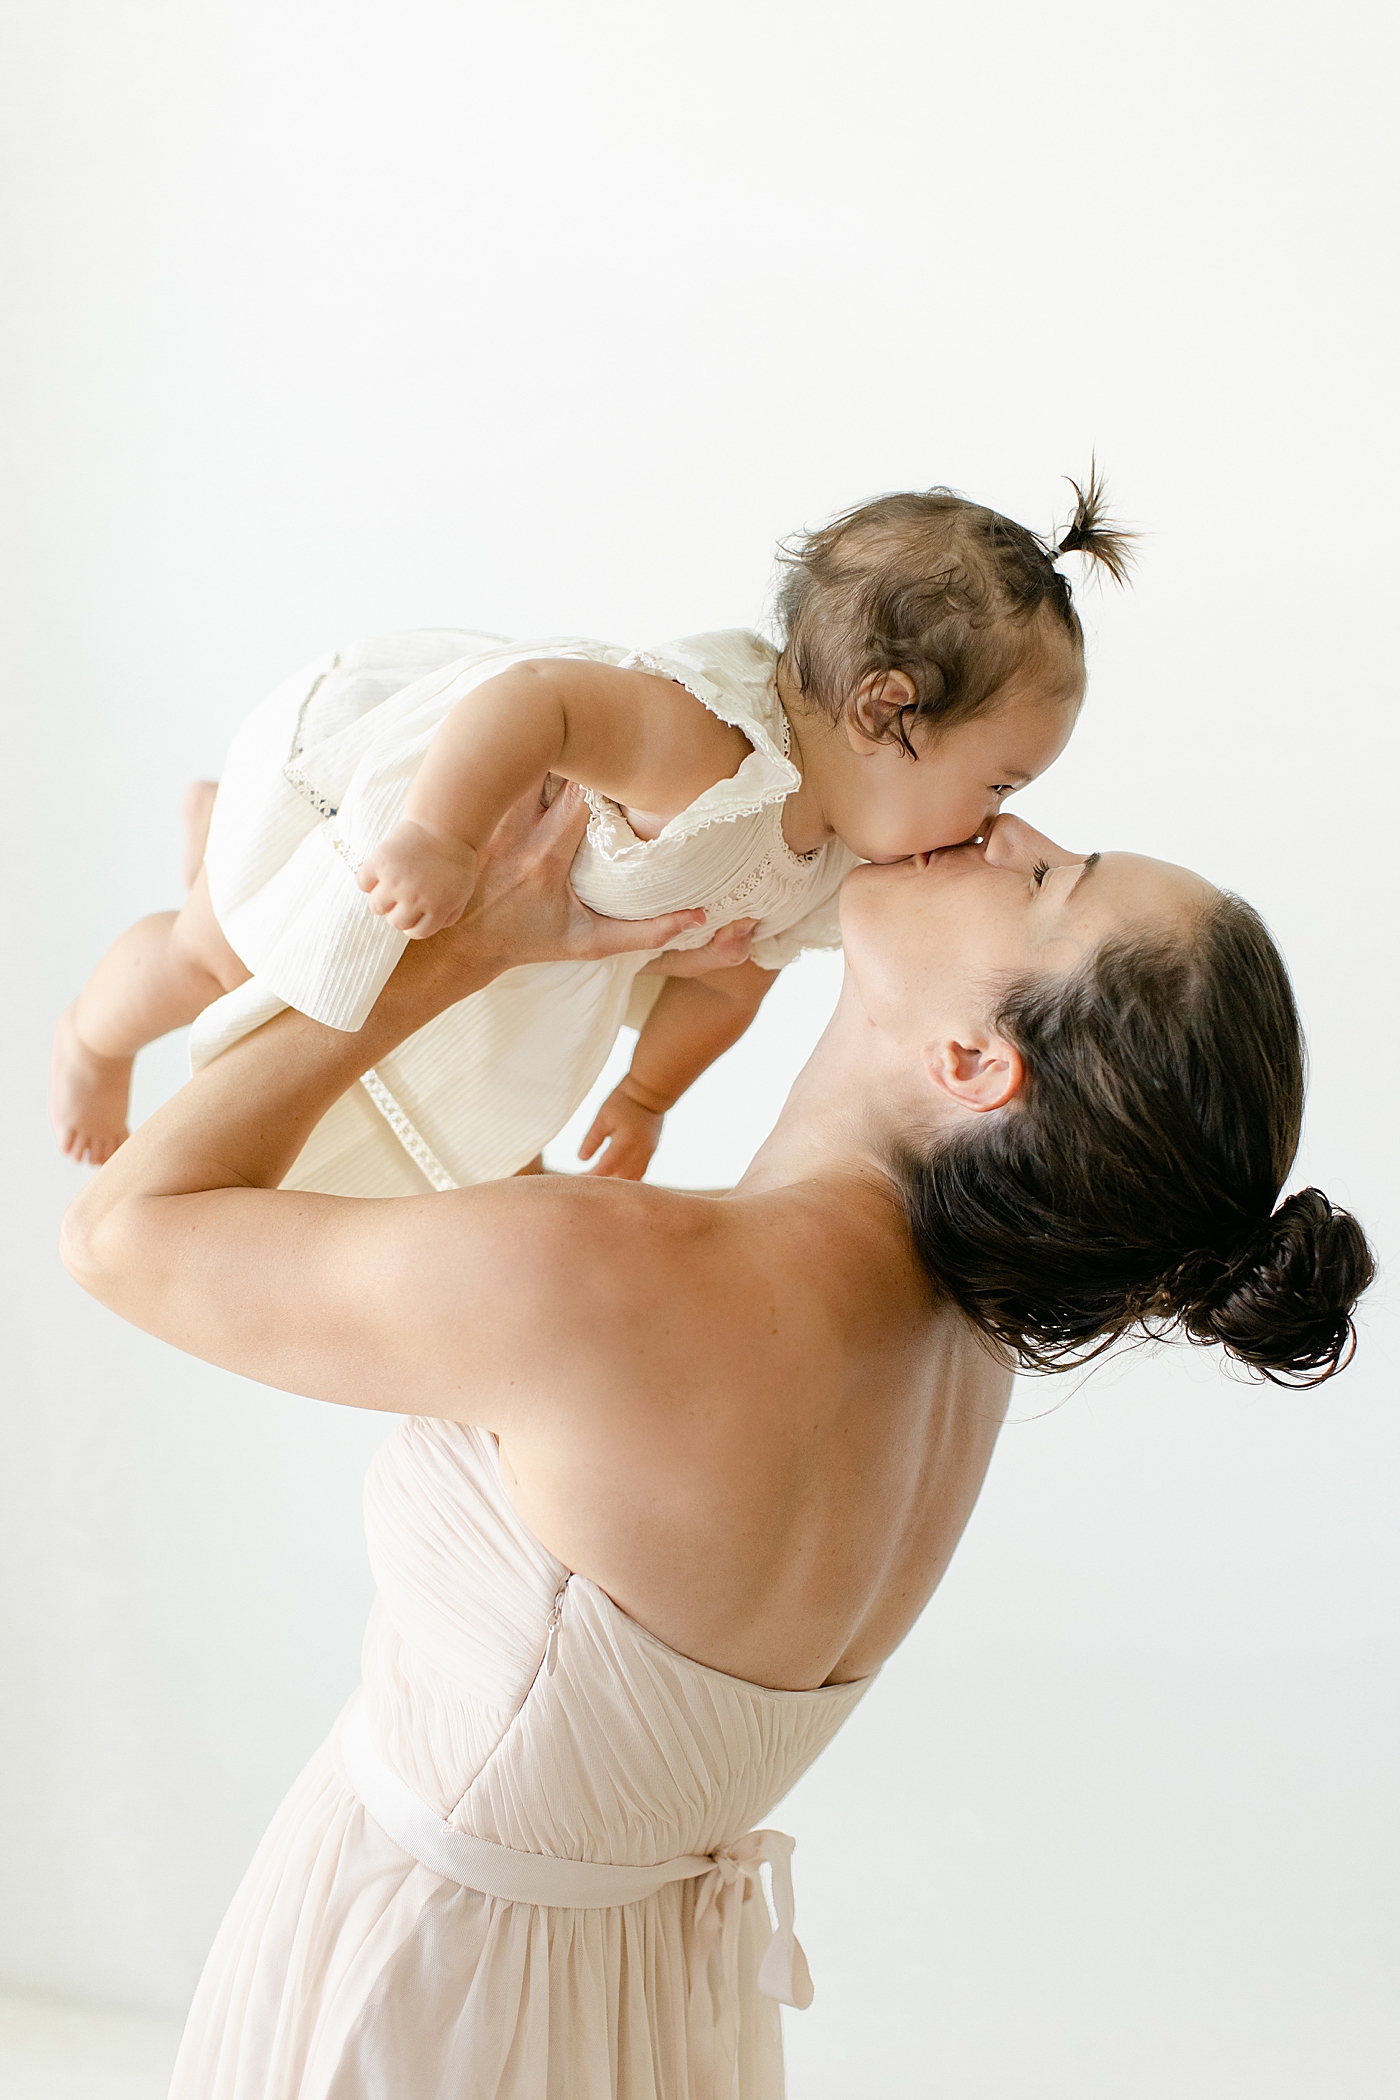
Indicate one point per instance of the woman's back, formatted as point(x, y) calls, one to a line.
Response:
point(516, 1699)
point(774, 1432)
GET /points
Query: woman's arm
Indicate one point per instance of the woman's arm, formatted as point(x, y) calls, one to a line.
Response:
point(186, 1233)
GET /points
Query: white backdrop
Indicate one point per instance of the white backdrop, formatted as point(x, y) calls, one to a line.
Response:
point(336, 318)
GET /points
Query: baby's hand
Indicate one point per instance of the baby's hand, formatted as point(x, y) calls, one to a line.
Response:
point(419, 880)
point(632, 1132)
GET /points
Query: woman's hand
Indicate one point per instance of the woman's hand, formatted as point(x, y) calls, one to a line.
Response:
point(523, 908)
point(725, 950)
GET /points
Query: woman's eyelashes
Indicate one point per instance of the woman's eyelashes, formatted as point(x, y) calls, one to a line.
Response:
point(1039, 872)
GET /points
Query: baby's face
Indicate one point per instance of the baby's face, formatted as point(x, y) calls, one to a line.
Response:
point(897, 805)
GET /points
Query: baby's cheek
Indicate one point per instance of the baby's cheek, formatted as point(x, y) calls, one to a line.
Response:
point(953, 819)
point(929, 827)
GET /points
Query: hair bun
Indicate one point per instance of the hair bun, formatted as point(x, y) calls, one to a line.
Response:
point(1283, 1305)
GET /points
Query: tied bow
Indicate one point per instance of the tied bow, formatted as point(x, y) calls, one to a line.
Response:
point(719, 1912)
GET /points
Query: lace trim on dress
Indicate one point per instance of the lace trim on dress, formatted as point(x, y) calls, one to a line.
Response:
point(759, 736)
point(414, 1144)
point(767, 776)
point(291, 771)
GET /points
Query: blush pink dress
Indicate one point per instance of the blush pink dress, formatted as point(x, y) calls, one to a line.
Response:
point(524, 1865)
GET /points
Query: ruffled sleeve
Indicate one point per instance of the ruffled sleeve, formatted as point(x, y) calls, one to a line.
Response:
point(743, 699)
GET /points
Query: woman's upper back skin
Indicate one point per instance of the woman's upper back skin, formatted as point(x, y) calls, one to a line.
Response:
point(747, 1419)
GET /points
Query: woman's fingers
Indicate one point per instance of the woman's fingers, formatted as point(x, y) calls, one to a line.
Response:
point(523, 886)
point(603, 937)
point(548, 821)
point(730, 946)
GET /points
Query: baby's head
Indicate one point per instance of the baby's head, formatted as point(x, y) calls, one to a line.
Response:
point(933, 661)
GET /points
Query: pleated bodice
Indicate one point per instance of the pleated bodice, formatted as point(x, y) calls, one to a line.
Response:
point(526, 1708)
point(521, 1707)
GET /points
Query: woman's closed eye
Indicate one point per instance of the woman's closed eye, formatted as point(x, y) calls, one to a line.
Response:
point(1039, 872)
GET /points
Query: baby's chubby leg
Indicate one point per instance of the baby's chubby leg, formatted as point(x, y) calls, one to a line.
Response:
point(161, 974)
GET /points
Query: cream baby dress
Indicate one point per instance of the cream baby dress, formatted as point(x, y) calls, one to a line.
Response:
point(316, 777)
point(518, 1869)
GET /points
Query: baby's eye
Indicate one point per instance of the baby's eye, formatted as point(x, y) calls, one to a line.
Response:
point(1005, 788)
point(1039, 872)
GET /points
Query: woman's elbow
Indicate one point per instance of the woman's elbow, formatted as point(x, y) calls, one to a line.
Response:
point(89, 1247)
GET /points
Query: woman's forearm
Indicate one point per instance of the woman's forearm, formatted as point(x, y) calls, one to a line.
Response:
point(241, 1122)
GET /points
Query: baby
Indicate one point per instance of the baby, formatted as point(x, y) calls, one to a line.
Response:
point(932, 664)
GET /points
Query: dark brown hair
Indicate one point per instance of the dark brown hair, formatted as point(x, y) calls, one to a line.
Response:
point(1132, 1185)
point(952, 594)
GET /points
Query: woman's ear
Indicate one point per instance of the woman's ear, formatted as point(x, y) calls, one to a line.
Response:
point(879, 698)
point(979, 1075)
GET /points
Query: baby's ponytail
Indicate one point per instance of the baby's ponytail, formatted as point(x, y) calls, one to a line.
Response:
point(1090, 532)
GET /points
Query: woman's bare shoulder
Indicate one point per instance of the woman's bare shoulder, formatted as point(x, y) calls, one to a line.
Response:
point(586, 1249)
point(582, 1283)
point(630, 1270)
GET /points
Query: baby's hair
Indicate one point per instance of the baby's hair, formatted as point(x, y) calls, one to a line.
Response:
point(952, 594)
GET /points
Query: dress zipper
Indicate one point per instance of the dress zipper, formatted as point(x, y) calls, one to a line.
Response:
point(551, 1639)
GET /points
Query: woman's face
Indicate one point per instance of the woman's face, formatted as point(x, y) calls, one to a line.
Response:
point(931, 941)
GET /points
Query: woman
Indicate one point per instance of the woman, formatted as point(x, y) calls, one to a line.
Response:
point(681, 1472)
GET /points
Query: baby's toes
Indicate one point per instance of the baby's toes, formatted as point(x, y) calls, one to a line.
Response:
point(99, 1145)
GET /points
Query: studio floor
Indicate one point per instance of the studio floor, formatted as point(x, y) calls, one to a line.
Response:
point(54, 2051)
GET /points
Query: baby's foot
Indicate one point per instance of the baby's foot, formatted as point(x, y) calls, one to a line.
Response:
point(88, 1096)
point(196, 808)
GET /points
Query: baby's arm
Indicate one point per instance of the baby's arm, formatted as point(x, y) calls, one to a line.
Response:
point(692, 1023)
point(639, 738)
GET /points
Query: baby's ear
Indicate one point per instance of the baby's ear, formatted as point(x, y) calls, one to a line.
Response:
point(869, 718)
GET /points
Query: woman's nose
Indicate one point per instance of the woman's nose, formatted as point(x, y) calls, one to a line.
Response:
point(1013, 843)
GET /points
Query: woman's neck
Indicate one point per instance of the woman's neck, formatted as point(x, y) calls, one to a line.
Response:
point(829, 1126)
